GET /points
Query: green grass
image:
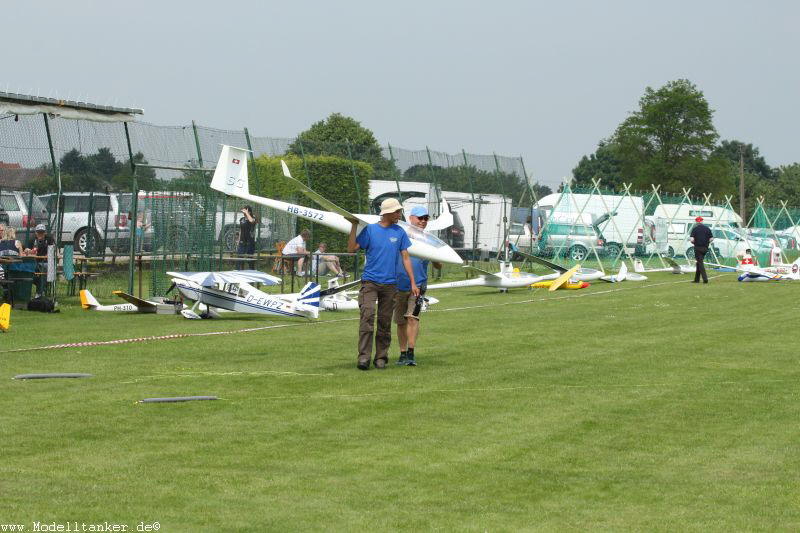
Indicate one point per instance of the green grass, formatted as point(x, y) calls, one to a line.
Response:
point(637, 406)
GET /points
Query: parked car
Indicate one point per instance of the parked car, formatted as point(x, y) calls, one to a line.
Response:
point(90, 220)
point(23, 210)
point(454, 235)
point(574, 240)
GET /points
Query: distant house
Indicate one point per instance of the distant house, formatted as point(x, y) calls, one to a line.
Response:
point(14, 177)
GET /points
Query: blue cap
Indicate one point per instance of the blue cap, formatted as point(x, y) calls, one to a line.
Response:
point(419, 211)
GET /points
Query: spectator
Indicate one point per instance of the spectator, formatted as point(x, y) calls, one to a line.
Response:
point(141, 227)
point(247, 238)
point(323, 263)
point(297, 248)
point(38, 246)
point(9, 245)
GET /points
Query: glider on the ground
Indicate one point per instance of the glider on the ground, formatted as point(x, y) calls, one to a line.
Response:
point(781, 272)
point(230, 177)
point(673, 267)
point(136, 305)
point(339, 298)
point(507, 278)
point(624, 275)
point(581, 274)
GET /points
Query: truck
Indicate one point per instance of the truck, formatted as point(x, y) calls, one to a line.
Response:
point(680, 219)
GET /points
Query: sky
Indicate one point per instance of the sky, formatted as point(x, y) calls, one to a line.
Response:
point(539, 79)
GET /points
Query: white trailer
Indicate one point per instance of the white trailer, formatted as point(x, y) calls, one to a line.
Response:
point(484, 235)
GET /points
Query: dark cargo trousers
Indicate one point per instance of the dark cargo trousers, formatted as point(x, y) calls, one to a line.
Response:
point(367, 296)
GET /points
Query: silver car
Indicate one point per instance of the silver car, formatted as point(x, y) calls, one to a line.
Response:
point(24, 211)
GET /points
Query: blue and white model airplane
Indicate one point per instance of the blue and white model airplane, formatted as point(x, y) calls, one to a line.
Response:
point(233, 291)
point(230, 177)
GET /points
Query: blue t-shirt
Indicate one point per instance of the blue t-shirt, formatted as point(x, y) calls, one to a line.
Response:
point(382, 246)
point(420, 268)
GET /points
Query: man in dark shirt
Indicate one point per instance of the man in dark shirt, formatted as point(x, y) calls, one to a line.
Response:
point(38, 246)
point(247, 241)
point(701, 237)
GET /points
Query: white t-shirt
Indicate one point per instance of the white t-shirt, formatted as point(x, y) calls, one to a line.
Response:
point(293, 245)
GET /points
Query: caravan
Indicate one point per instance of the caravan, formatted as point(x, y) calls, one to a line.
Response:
point(680, 219)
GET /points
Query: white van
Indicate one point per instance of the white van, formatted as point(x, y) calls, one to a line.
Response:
point(680, 219)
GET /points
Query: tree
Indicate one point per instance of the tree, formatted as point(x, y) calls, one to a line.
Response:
point(670, 141)
point(471, 179)
point(603, 165)
point(753, 161)
point(341, 136)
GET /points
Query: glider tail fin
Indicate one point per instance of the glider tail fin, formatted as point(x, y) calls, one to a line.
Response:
point(795, 271)
point(309, 296)
point(230, 176)
point(88, 301)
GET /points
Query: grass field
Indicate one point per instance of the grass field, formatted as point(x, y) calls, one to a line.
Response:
point(661, 405)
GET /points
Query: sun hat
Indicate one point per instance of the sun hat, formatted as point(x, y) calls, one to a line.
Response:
point(390, 205)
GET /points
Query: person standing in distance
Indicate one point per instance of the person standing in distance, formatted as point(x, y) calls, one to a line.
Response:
point(247, 241)
point(383, 242)
point(407, 307)
point(701, 237)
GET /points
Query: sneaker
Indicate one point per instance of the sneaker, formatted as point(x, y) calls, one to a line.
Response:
point(410, 361)
point(403, 359)
point(363, 366)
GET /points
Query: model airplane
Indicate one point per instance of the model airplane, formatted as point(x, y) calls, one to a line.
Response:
point(780, 272)
point(230, 177)
point(135, 305)
point(624, 275)
point(507, 278)
point(581, 274)
point(673, 267)
point(336, 297)
point(233, 291)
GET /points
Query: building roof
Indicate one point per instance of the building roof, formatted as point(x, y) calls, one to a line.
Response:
point(18, 178)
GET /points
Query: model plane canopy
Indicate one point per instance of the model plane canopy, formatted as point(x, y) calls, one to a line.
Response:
point(211, 279)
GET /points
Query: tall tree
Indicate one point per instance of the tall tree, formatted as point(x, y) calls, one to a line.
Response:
point(753, 161)
point(341, 136)
point(670, 141)
point(603, 165)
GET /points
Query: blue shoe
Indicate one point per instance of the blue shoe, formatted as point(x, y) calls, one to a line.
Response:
point(410, 361)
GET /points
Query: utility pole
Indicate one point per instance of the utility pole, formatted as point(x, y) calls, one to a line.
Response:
point(741, 182)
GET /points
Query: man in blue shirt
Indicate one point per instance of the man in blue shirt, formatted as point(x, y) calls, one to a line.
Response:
point(407, 306)
point(383, 242)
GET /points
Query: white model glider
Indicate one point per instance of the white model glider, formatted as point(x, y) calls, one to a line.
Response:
point(233, 291)
point(780, 272)
point(673, 267)
point(507, 278)
point(134, 305)
point(581, 274)
point(230, 177)
point(624, 275)
point(338, 298)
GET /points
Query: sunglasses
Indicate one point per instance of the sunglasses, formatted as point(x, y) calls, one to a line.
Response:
point(426, 217)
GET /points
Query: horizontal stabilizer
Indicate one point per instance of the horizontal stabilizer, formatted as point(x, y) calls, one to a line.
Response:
point(143, 305)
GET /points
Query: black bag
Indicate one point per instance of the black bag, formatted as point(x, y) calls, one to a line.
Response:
point(45, 305)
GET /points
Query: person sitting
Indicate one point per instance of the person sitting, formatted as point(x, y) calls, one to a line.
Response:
point(9, 245)
point(296, 248)
point(320, 263)
point(38, 247)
